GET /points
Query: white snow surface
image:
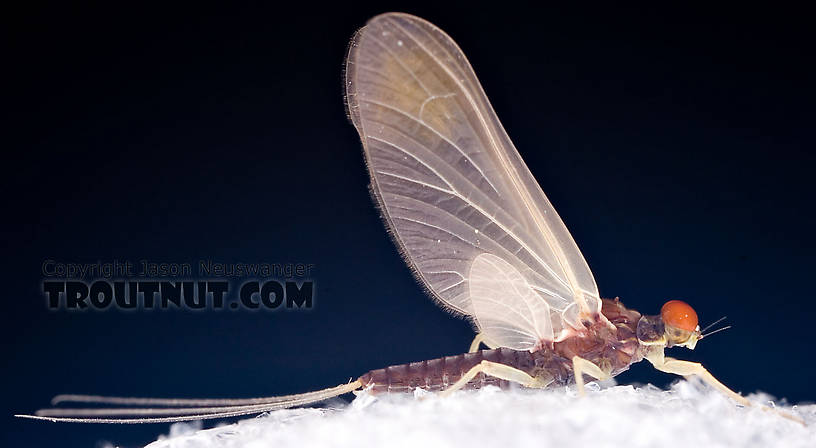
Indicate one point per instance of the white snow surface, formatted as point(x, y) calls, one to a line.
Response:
point(689, 415)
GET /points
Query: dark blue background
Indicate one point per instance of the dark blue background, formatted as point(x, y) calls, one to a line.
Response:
point(677, 144)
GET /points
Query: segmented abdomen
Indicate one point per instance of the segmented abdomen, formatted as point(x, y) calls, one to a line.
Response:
point(438, 374)
point(613, 350)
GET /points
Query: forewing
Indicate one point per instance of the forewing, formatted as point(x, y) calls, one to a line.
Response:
point(449, 181)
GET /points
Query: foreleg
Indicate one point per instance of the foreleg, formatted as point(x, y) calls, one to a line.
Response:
point(688, 368)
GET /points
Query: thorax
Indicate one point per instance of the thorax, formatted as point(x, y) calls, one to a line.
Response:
point(613, 350)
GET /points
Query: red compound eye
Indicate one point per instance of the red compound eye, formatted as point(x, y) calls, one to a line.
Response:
point(679, 314)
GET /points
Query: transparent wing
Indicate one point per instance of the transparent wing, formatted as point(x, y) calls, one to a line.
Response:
point(450, 182)
point(510, 312)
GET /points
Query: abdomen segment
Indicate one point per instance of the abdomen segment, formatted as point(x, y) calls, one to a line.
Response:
point(438, 374)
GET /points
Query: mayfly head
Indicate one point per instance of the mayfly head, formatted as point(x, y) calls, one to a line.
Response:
point(676, 325)
point(680, 323)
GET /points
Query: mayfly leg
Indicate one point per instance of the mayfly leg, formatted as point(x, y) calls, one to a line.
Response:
point(688, 368)
point(581, 366)
point(478, 341)
point(500, 371)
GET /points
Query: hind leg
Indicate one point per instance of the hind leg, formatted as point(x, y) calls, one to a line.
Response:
point(477, 342)
point(500, 371)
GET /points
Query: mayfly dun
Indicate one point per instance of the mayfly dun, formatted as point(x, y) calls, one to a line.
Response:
point(477, 231)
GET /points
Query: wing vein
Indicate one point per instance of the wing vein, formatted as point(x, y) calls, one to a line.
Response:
point(504, 228)
point(402, 64)
point(438, 134)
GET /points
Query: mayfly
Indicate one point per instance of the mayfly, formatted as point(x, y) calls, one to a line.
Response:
point(478, 233)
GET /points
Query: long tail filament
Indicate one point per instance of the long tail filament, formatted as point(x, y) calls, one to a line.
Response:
point(176, 410)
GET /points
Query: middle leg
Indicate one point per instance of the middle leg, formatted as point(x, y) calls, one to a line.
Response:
point(580, 366)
